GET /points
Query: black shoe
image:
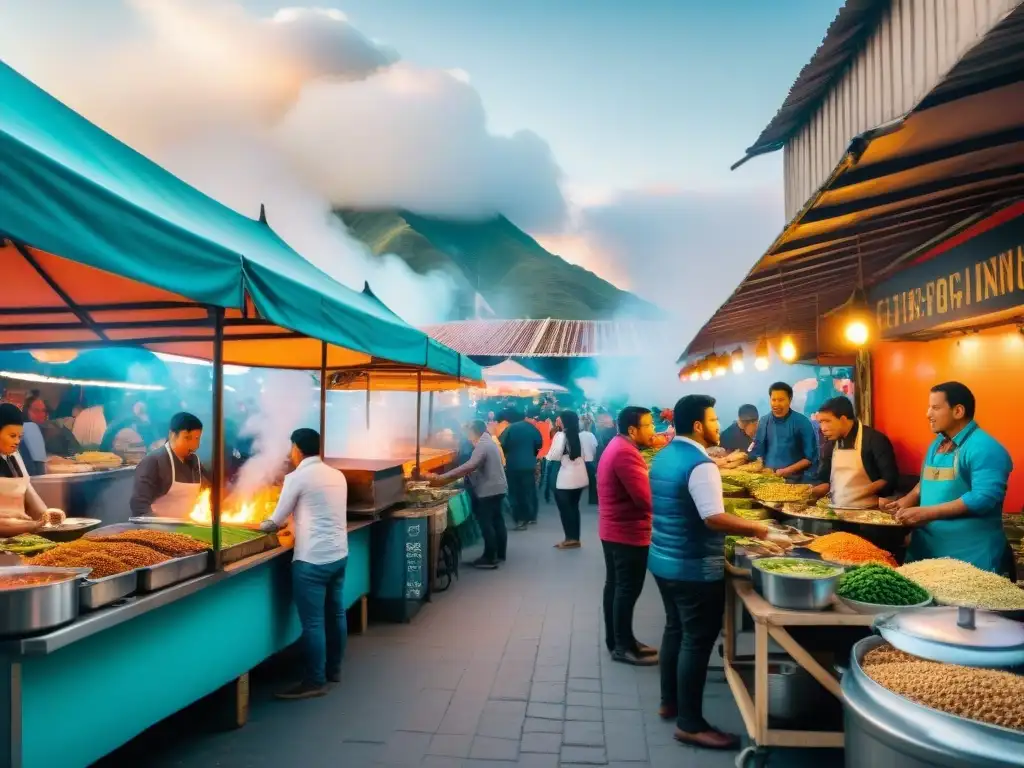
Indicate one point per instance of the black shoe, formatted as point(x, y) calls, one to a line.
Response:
point(484, 564)
point(334, 677)
point(519, 527)
point(501, 559)
point(302, 691)
point(629, 657)
point(532, 522)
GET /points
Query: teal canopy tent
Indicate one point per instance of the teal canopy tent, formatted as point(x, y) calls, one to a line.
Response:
point(106, 247)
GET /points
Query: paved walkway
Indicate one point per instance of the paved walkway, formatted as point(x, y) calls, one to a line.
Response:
point(508, 668)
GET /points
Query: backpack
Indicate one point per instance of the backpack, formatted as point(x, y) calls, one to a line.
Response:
point(449, 553)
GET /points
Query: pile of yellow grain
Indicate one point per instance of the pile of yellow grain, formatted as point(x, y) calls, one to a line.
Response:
point(955, 582)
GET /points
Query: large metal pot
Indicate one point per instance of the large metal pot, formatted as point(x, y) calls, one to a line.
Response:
point(885, 730)
point(40, 607)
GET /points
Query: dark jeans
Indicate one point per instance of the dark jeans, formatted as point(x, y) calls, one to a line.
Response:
point(522, 494)
point(625, 568)
point(492, 526)
point(548, 473)
point(693, 621)
point(317, 591)
point(592, 489)
point(568, 502)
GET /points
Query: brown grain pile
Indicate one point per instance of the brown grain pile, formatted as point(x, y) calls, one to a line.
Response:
point(105, 558)
point(985, 695)
point(171, 544)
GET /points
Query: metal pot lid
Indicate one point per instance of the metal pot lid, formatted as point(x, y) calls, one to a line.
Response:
point(956, 636)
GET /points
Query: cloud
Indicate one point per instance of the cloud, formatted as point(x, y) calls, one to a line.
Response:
point(418, 139)
point(364, 129)
point(684, 250)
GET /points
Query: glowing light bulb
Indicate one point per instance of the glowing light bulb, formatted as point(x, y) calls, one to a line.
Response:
point(787, 350)
point(695, 376)
point(857, 333)
point(761, 363)
point(705, 374)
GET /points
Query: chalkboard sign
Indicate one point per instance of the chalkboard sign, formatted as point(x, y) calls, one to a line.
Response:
point(415, 559)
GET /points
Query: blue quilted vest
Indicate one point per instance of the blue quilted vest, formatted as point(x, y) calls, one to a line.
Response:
point(683, 548)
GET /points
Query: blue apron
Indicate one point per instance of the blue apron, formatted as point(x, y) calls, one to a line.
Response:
point(978, 540)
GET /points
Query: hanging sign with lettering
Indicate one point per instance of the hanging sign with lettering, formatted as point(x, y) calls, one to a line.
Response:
point(978, 277)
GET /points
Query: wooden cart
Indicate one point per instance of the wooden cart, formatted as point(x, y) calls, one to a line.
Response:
point(771, 622)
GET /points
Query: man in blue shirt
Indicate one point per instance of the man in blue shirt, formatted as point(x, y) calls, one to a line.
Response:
point(785, 439)
point(957, 507)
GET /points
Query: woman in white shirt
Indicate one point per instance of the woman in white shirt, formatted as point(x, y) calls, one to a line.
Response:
point(571, 449)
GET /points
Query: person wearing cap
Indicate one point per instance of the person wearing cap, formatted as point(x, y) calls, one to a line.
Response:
point(315, 496)
point(739, 436)
point(21, 508)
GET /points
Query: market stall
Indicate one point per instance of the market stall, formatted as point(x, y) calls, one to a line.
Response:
point(816, 599)
point(163, 614)
point(956, 313)
point(406, 545)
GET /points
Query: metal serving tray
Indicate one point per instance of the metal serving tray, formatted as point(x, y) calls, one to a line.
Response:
point(228, 554)
point(162, 575)
point(100, 593)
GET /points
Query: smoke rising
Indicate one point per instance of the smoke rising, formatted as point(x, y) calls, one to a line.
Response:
point(285, 402)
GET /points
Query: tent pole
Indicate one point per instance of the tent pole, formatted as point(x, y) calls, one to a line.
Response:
point(323, 397)
point(430, 414)
point(367, 402)
point(217, 491)
point(419, 407)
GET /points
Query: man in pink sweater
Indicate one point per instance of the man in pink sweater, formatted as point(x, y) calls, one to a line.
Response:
point(624, 525)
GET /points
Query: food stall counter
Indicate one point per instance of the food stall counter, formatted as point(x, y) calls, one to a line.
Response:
point(770, 623)
point(151, 656)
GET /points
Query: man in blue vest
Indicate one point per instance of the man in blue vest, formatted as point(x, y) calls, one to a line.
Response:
point(687, 559)
point(957, 507)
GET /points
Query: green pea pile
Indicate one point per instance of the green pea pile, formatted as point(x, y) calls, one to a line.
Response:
point(879, 585)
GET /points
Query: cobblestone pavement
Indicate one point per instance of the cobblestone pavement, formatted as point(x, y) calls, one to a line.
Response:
point(508, 668)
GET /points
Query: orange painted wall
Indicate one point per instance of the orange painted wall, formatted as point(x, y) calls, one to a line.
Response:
point(991, 363)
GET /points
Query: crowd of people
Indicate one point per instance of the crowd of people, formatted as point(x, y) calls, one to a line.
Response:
point(668, 518)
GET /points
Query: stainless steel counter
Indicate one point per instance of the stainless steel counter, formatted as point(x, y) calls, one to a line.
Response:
point(102, 495)
point(90, 624)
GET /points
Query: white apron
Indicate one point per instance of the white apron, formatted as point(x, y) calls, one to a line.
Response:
point(849, 481)
point(13, 491)
point(178, 502)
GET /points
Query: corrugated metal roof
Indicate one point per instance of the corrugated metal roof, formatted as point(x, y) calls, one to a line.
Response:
point(890, 199)
point(550, 338)
point(843, 40)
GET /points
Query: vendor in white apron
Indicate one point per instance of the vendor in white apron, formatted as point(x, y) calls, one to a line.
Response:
point(957, 508)
point(168, 481)
point(21, 508)
point(859, 464)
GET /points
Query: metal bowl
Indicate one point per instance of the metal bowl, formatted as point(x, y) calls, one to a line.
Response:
point(72, 528)
point(39, 607)
point(872, 609)
point(818, 526)
point(794, 592)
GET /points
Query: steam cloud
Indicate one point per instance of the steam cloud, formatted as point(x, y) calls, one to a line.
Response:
point(285, 403)
point(303, 113)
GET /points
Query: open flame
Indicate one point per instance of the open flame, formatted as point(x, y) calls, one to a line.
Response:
point(250, 512)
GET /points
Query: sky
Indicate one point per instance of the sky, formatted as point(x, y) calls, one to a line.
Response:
point(605, 129)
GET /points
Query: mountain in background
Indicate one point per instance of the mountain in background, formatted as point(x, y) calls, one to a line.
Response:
point(496, 260)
